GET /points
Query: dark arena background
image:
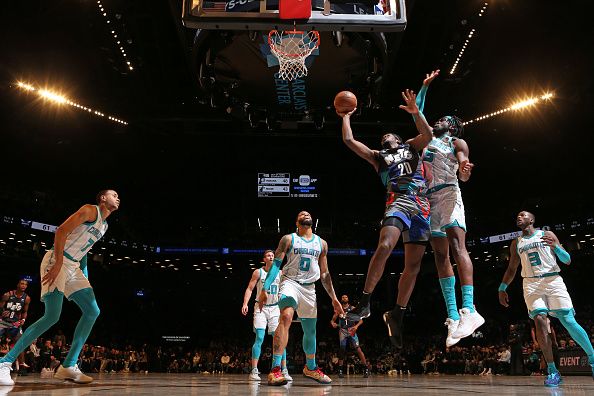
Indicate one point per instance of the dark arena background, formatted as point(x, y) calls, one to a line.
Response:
point(213, 156)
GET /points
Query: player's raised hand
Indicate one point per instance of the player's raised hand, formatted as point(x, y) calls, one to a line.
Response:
point(410, 99)
point(337, 307)
point(262, 298)
point(244, 310)
point(503, 298)
point(549, 240)
point(430, 77)
point(347, 115)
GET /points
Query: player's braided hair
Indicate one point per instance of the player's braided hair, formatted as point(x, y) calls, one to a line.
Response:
point(456, 125)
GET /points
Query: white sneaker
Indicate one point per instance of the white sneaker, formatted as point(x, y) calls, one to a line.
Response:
point(254, 374)
point(469, 322)
point(73, 374)
point(286, 375)
point(452, 327)
point(5, 369)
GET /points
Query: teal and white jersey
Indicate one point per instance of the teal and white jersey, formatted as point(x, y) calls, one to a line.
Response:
point(81, 240)
point(272, 291)
point(537, 258)
point(302, 259)
point(441, 163)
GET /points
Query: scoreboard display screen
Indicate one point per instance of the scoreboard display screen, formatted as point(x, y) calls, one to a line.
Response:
point(288, 185)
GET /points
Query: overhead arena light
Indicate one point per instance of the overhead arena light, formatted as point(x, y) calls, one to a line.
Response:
point(57, 98)
point(467, 41)
point(514, 107)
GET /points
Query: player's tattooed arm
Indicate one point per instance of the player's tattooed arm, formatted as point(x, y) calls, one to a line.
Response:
point(283, 247)
point(327, 279)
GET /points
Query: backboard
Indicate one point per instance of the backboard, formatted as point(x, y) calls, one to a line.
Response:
point(326, 15)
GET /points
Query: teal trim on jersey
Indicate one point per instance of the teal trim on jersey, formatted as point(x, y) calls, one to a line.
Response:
point(548, 274)
point(284, 302)
point(305, 240)
point(528, 237)
point(452, 225)
point(436, 234)
point(439, 187)
point(69, 257)
point(292, 242)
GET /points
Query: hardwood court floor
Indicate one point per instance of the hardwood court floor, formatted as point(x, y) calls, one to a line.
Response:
point(205, 384)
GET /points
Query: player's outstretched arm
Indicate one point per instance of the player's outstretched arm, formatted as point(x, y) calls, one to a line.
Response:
point(327, 279)
point(279, 255)
point(248, 291)
point(425, 135)
point(356, 146)
point(465, 166)
point(423, 91)
point(551, 240)
point(510, 273)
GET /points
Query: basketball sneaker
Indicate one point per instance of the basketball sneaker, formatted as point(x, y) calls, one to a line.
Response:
point(366, 372)
point(394, 323)
point(340, 374)
point(362, 311)
point(276, 377)
point(286, 375)
point(316, 375)
point(254, 374)
point(469, 322)
point(5, 369)
point(553, 380)
point(73, 374)
point(452, 327)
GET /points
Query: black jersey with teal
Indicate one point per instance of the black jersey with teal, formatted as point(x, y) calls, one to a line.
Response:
point(401, 170)
point(14, 305)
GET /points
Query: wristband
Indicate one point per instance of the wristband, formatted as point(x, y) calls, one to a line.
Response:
point(503, 287)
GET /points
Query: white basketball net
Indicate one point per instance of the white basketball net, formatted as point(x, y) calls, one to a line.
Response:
point(292, 48)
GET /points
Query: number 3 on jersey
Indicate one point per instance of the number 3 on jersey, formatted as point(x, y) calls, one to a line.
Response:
point(304, 264)
point(534, 259)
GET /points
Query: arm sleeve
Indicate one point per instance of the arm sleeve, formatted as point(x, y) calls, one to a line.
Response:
point(564, 257)
point(271, 276)
point(421, 97)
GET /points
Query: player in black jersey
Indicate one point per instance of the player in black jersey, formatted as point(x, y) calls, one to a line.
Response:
point(14, 306)
point(400, 167)
point(347, 335)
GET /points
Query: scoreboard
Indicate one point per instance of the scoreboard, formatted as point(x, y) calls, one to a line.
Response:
point(296, 185)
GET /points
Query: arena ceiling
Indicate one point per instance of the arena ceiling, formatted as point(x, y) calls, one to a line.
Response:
point(186, 163)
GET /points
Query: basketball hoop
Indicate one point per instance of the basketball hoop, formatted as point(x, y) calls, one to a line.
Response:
point(292, 48)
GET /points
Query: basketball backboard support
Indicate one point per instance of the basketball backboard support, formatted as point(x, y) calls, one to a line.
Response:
point(325, 16)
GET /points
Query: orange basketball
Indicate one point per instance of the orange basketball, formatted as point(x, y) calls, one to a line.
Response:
point(345, 101)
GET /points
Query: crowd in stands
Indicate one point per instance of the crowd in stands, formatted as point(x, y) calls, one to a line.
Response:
point(420, 356)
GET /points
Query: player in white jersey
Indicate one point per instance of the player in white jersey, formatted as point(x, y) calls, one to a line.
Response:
point(265, 317)
point(446, 160)
point(545, 292)
point(306, 263)
point(62, 275)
